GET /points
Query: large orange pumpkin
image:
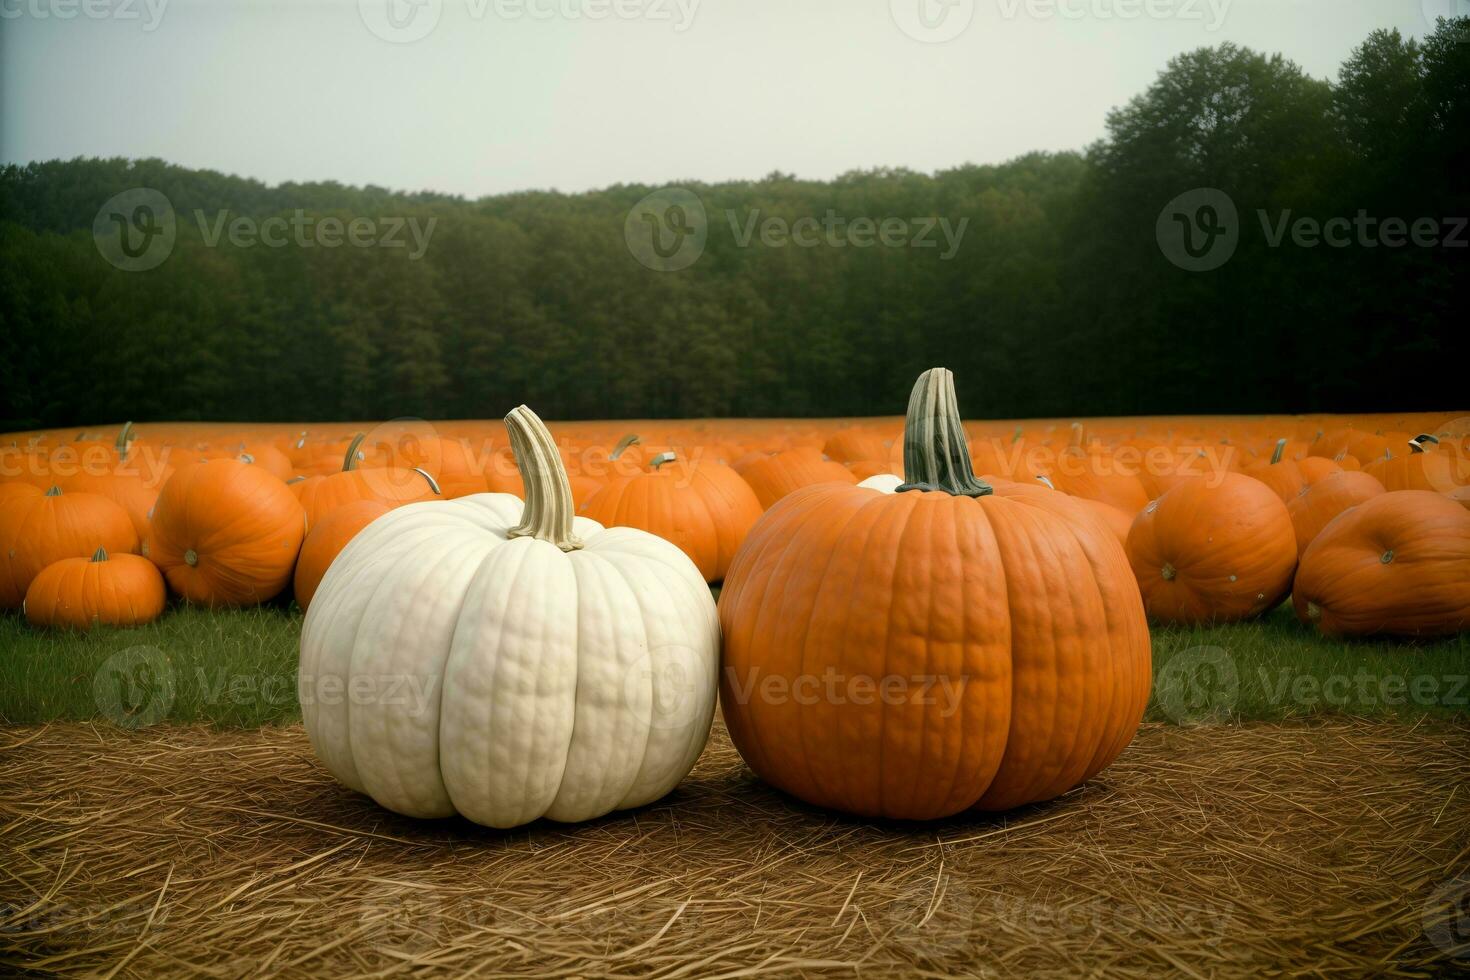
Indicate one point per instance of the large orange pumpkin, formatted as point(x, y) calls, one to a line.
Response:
point(1205, 552)
point(1398, 564)
point(36, 531)
point(946, 646)
point(106, 590)
point(226, 533)
point(325, 541)
point(702, 506)
point(1283, 476)
point(1316, 506)
point(773, 477)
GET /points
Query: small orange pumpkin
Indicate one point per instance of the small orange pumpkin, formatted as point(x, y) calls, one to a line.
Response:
point(1219, 553)
point(703, 507)
point(325, 542)
point(773, 477)
point(36, 531)
point(1397, 564)
point(106, 590)
point(225, 533)
point(320, 495)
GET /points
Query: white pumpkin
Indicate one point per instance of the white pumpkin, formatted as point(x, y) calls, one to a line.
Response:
point(507, 661)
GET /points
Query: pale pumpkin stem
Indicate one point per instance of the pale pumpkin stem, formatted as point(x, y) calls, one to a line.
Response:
point(433, 483)
point(100, 554)
point(549, 511)
point(935, 454)
point(1280, 449)
point(661, 459)
point(1416, 444)
point(123, 438)
point(349, 462)
point(628, 440)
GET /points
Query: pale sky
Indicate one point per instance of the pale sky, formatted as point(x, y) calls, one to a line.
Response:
point(505, 95)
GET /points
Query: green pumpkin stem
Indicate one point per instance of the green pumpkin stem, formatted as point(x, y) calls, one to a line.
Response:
point(549, 509)
point(661, 459)
point(124, 437)
point(628, 440)
point(349, 462)
point(1280, 448)
point(935, 454)
point(100, 554)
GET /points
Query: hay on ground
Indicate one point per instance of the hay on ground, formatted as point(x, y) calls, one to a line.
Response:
point(1331, 848)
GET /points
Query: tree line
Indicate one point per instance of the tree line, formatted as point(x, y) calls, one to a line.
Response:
point(1051, 285)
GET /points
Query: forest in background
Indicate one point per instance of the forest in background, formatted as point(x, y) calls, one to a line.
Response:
point(1057, 301)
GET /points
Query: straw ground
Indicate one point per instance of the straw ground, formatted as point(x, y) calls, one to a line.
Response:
point(1333, 846)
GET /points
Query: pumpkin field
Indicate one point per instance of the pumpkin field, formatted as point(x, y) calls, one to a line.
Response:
point(1195, 701)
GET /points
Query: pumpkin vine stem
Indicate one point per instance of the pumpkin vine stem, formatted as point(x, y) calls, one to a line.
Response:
point(661, 459)
point(1280, 449)
point(100, 554)
point(935, 453)
point(549, 510)
point(631, 439)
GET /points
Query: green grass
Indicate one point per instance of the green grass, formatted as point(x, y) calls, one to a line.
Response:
point(238, 669)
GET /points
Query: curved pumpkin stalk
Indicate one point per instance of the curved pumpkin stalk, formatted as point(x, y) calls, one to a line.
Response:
point(661, 459)
point(429, 479)
point(124, 437)
point(631, 439)
point(349, 462)
point(549, 509)
point(935, 454)
point(1280, 449)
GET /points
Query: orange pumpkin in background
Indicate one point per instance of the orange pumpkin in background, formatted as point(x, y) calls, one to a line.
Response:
point(1205, 553)
point(268, 458)
point(1111, 517)
point(325, 541)
point(1283, 476)
point(993, 635)
point(1423, 467)
point(226, 533)
point(1398, 564)
point(320, 495)
point(40, 530)
point(105, 590)
point(703, 507)
point(856, 446)
point(773, 477)
point(1322, 501)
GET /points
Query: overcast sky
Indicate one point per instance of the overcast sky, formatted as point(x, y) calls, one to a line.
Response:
point(502, 95)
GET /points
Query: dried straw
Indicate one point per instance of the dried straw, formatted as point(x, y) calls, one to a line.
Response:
point(1331, 849)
